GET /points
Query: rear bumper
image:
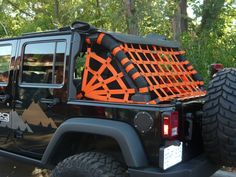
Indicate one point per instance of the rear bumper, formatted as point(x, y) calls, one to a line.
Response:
point(197, 167)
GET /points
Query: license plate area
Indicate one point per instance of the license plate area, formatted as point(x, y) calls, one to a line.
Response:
point(170, 155)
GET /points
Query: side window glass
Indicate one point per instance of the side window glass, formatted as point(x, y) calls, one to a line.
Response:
point(44, 63)
point(38, 62)
point(78, 72)
point(5, 59)
point(59, 63)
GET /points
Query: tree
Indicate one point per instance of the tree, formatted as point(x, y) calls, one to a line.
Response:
point(210, 14)
point(56, 13)
point(180, 20)
point(131, 18)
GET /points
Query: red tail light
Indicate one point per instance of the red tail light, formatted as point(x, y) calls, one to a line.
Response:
point(214, 68)
point(170, 124)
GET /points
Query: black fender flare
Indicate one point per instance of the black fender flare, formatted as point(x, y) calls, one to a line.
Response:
point(125, 135)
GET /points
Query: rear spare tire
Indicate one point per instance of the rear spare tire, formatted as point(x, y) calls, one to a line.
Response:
point(219, 118)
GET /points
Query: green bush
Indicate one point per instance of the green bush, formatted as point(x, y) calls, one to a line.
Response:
point(205, 49)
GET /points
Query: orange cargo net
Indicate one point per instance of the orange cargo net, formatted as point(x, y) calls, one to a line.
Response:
point(104, 82)
point(168, 76)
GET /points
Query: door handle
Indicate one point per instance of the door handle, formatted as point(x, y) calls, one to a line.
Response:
point(50, 102)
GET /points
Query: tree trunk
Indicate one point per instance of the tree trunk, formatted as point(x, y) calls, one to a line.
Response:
point(131, 18)
point(56, 14)
point(210, 13)
point(180, 20)
point(99, 15)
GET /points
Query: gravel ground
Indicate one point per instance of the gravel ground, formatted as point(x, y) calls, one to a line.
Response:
point(9, 168)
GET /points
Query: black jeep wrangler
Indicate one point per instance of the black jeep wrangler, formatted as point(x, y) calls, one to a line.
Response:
point(88, 103)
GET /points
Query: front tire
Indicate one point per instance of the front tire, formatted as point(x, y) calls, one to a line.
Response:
point(89, 164)
point(219, 118)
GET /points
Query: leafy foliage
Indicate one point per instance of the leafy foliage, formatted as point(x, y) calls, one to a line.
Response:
point(210, 37)
point(216, 45)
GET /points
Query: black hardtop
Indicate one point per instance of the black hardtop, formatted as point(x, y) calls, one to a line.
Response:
point(152, 40)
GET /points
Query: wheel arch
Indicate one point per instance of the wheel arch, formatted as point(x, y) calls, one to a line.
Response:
point(123, 133)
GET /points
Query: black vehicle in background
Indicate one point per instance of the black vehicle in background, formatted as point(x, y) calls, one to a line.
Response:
point(87, 103)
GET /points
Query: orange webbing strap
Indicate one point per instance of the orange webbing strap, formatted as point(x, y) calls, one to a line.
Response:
point(100, 37)
point(88, 41)
point(116, 50)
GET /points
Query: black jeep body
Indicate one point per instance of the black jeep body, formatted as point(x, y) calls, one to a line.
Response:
point(46, 115)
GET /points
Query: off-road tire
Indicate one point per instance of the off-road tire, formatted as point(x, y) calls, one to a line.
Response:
point(89, 164)
point(219, 118)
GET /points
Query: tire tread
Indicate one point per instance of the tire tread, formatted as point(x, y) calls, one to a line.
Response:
point(219, 118)
point(93, 163)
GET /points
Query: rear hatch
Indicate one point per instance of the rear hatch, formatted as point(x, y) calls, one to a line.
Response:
point(134, 70)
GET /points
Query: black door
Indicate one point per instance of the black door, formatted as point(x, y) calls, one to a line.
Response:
point(40, 93)
point(7, 61)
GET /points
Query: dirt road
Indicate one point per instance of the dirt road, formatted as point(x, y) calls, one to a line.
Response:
point(9, 168)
